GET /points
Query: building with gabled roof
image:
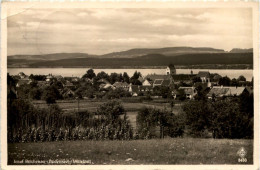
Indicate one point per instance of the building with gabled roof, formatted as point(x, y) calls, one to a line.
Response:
point(190, 92)
point(156, 76)
point(220, 91)
point(146, 83)
point(134, 90)
point(123, 85)
point(103, 81)
point(204, 76)
point(22, 82)
point(161, 82)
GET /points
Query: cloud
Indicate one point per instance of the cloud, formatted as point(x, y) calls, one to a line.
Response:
point(99, 31)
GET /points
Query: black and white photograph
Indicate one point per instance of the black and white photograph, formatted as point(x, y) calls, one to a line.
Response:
point(122, 84)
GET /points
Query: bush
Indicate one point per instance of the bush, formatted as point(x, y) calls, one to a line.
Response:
point(150, 118)
point(221, 118)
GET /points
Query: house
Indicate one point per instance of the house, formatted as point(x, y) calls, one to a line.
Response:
point(236, 91)
point(183, 78)
point(161, 82)
point(22, 82)
point(43, 84)
point(189, 92)
point(68, 84)
point(105, 86)
point(75, 79)
point(103, 81)
point(22, 75)
point(146, 83)
point(123, 85)
point(134, 90)
point(88, 80)
point(175, 94)
point(146, 88)
point(220, 91)
point(204, 76)
point(58, 77)
point(153, 77)
point(250, 90)
point(68, 93)
point(141, 79)
point(49, 77)
point(72, 79)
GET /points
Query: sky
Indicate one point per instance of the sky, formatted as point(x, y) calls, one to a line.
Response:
point(101, 31)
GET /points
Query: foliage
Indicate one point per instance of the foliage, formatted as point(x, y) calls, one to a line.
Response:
point(134, 79)
point(241, 78)
point(114, 77)
point(221, 118)
point(196, 79)
point(224, 81)
point(51, 94)
point(89, 74)
point(111, 110)
point(148, 118)
point(163, 91)
point(117, 93)
point(126, 77)
point(197, 117)
point(102, 75)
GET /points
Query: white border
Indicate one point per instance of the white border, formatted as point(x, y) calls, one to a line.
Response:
point(162, 4)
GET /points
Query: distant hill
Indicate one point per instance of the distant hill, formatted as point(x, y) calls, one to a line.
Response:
point(168, 51)
point(55, 56)
point(239, 50)
point(136, 57)
point(152, 60)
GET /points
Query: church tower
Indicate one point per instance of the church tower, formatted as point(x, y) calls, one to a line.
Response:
point(170, 70)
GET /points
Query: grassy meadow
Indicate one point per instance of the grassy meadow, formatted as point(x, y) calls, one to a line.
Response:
point(153, 151)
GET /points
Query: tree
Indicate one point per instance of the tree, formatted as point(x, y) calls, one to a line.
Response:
point(102, 75)
point(241, 78)
point(126, 77)
point(35, 93)
point(111, 110)
point(89, 74)
point(234, 82)
point(224, 81)
point(182, 95)
point(134, 79)
point(114, 77)
point(136, 75)
point(51, 94)
point(227, 121)
point(196, 79)
point(148, 118)
point(201, 93)
point(197, 117)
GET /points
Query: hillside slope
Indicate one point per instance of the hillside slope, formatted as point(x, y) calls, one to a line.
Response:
point(152, 60)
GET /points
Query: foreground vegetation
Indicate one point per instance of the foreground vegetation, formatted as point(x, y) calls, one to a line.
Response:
point(153, 151)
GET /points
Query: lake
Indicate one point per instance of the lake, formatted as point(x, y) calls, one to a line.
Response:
point(66, 72)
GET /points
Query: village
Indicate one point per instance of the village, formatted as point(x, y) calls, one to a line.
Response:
point(169, 85)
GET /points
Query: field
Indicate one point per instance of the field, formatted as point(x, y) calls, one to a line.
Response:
point(154, 151)
point(132, 108)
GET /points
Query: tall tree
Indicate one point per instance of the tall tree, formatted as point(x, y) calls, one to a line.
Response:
point(102, 75)
point(126, 77)
point(241, 78)
point(224, 81)
point(89, 74)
